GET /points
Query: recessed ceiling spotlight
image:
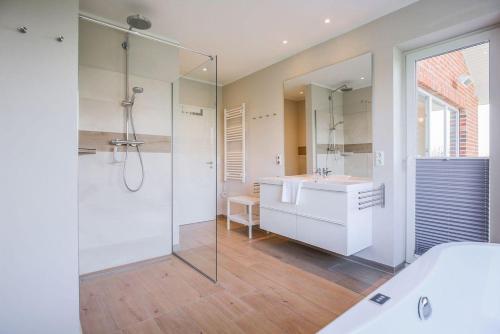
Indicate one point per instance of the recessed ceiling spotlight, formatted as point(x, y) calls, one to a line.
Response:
point(285, 41)
point(362, 78)
point(327, 20)
point(204, 69)
point(301, 92)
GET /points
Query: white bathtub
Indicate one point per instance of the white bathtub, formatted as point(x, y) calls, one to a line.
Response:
point(461, 281)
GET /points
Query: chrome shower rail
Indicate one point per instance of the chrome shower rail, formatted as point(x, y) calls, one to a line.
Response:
point(372, 197)
point(137, 33)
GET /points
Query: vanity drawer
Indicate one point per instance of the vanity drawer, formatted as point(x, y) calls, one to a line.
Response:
point(323, 205)
point(322, 234)
point(270, 197)
point(278, 222)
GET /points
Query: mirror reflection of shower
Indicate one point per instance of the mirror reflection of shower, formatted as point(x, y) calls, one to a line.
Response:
point(332, 147)
point(138, 22)
point(328, 120)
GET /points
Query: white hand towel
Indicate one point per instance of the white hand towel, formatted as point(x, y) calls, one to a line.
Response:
point(291, 191)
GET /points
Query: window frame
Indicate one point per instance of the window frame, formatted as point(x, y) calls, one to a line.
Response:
point(491, 36)
point(448, 109)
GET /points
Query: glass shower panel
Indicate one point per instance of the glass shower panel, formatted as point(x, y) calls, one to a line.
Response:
point(118, 226)
point(194, 171)
point(147, 163)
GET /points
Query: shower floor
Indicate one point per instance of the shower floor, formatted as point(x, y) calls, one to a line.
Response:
point(266, 285)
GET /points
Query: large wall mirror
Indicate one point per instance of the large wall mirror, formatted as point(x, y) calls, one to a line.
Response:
point(328, 120)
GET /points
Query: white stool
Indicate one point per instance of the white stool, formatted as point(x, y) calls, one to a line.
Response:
point(248, 218)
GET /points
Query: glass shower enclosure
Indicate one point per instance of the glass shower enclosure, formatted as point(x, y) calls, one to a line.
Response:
point(194, 167)
point(148, 116)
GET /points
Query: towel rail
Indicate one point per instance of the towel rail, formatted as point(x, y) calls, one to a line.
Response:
point(234, 143)
point(371, 198)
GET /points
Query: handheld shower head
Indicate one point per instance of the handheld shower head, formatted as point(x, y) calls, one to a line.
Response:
point(135, 90)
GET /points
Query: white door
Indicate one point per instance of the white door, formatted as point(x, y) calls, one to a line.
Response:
point(194, 154)
point(445, 126)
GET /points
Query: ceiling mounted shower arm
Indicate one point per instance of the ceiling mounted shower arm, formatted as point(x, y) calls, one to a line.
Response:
point(137, 33)
point(342, 88)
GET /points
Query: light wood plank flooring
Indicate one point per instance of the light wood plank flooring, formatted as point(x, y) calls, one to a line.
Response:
point(266, 285)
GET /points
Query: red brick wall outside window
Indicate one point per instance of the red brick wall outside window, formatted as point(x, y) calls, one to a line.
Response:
point(439, 76)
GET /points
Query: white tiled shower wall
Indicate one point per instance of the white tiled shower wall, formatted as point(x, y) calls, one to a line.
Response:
point(117, 226)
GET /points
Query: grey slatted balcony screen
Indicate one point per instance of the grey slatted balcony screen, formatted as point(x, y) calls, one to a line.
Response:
point(451, 201)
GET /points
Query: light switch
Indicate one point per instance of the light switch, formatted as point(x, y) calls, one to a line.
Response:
point(379, 158)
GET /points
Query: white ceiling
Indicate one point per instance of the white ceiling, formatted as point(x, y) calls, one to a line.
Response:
point(247, 35)
point(355, 73)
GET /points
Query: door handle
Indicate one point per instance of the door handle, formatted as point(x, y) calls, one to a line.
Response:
point(209, 162)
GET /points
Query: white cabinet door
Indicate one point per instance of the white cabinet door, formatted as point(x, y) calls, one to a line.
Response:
point(326, 235)
point(323, 205)
point(279, 222)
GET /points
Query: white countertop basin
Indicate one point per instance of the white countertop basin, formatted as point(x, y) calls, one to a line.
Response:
point(333, 183)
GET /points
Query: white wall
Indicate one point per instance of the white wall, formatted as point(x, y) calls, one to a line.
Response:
point(357, 116)
point(38, 193)
point(495, 138)
point(358, 130)
point(423, 22)
point(119, 227)
point(262, 134)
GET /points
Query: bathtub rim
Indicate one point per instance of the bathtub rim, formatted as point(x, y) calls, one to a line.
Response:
point(399, 288)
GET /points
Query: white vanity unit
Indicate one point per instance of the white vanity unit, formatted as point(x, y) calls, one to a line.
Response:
point(328, 215)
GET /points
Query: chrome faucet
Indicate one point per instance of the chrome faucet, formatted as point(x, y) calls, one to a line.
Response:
point(324, 172)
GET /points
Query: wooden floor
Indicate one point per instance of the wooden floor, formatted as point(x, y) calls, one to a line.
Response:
point(266, 285)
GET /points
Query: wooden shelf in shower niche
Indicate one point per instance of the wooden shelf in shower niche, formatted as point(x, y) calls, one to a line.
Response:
point(83, 150)
point(101, 141)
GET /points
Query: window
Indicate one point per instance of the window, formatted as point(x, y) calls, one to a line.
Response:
point(438, 127)
point(448, 144)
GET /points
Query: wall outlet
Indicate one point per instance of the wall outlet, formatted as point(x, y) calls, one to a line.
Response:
point(379, 158)
point(278, 159)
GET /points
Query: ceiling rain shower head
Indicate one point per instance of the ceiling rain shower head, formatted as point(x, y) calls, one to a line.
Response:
point(344, 88)
point(138, 22)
